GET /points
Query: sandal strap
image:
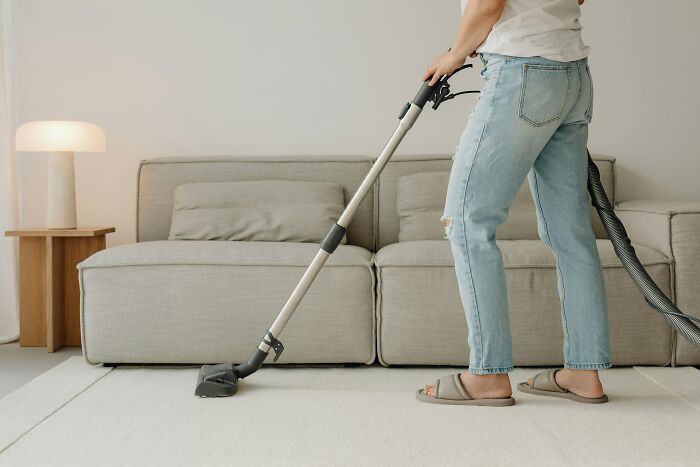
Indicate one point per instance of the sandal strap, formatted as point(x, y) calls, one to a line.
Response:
point(450, 387)
point(545, 381)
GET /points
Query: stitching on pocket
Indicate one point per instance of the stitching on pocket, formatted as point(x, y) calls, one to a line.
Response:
point(523, 88)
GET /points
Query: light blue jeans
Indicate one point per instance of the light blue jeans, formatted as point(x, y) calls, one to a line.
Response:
point(531, 120)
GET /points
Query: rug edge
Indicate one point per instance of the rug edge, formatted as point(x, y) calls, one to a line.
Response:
point(29, 405)
point(682, 382)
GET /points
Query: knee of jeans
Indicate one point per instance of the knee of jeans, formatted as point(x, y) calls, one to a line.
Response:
point(557, 239)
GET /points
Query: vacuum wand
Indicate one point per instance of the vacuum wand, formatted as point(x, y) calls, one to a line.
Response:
point(222, 380)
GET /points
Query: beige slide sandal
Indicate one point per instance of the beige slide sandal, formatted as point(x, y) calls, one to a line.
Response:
point(544, 384)
point(449, 390)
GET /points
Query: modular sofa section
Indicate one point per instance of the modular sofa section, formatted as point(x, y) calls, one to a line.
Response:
point(673, 228)
point(208, 301)
point(420, 319)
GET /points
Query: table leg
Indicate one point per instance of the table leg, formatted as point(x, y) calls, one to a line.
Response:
point(32, 291)
point(55, 293)
point(76, 250)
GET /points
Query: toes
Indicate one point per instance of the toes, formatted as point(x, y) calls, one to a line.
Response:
point(530, 381)
point(428, 389)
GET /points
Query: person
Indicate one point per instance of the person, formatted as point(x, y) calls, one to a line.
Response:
point(531, 120)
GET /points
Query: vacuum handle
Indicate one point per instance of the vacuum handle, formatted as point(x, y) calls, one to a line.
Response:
point(441, 87)
point(425, 93)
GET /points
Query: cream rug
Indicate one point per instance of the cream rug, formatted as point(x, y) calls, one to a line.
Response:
point(78, 415)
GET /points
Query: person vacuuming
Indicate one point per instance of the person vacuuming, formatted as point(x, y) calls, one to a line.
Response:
point(530, 121)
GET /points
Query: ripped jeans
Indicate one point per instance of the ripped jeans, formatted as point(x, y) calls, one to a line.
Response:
point(531, 120)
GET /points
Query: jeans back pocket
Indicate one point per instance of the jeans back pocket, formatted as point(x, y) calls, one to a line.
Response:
point(544, 92)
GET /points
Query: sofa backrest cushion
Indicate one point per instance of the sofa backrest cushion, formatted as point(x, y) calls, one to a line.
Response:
point(158, 179)
point(256, 210)
point(420, 203)
point(423, 199)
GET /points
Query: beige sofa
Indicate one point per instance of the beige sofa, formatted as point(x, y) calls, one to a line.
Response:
point(378, 298)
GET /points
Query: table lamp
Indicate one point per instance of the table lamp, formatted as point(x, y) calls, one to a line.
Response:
point(61, 139)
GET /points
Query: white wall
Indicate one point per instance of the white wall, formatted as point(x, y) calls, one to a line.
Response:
point(221, 77)
point(647, 94)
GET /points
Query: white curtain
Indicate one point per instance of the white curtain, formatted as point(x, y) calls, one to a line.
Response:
point(9, 212)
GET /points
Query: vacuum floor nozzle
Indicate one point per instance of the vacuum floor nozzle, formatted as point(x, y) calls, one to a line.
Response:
point(217, 380)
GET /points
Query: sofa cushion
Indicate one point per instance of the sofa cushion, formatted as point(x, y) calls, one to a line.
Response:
point(206, 302)
point(420, 202)
point(421, 318)
point(520, 224)
point(166, 252)
point(255, 210)
point(516, 254)
point(158, 178)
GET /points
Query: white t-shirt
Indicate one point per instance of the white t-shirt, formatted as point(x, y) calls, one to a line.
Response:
point(544, 28)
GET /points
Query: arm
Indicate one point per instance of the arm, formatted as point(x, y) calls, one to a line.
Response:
point(477, 21)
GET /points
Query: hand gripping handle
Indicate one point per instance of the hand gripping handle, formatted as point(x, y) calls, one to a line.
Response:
point(437, 92)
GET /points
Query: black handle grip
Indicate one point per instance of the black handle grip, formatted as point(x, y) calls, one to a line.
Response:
point(427, 91)
point(424, 94)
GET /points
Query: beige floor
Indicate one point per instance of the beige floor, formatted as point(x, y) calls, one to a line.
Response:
point(81, 415)
point(19, 365)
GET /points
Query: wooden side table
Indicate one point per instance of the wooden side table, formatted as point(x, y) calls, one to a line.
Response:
point(49, 294)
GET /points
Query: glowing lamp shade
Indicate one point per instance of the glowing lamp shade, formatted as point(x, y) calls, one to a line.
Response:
point(60, 136)
point(61, 140)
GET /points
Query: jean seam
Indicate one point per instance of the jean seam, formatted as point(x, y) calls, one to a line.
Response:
point(589, 111)
point(495, 367)
point(607, 362)
point(588, 366)
point(491, 370)
point(558, 268)
point(464, 223)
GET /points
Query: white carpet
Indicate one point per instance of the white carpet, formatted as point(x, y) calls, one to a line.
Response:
point(80, 415)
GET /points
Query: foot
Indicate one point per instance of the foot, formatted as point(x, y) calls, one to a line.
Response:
point(480, 386)
point(584, 383)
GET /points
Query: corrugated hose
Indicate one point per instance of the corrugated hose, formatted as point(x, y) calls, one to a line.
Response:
point(625, 251)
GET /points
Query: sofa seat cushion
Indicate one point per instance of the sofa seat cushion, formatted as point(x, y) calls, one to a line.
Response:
point(208, 301)
point(220, 253)
point(421, 318)
point(516, 254)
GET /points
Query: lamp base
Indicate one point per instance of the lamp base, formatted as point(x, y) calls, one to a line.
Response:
point(61, 212)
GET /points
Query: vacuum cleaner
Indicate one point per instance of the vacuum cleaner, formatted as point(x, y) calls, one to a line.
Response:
point(222, 380)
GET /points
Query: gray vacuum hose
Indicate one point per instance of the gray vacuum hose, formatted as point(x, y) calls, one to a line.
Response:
point(625, 251)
